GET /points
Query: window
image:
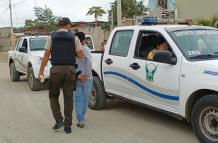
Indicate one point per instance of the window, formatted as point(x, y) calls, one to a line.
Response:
point(148, 43)
point(24, 43)
point(19, 44)
point(121, 42)
point(197, 43)
point(89, 42)
point(37, 43)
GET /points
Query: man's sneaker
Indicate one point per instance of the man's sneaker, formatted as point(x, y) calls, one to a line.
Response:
point(81, 124)
point(58, 125)
point(67, 129)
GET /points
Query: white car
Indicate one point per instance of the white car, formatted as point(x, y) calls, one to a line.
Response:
point(26, 60)
point(182, 80)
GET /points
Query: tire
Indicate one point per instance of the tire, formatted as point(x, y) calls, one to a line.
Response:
point(14, 74)
point(205, 119)
point(34, 84)
point(98, 97)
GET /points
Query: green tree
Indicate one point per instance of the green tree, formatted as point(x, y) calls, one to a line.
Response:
point(29, 23)
point(213, 21)
point(97, 11)
point(130, 8)
point(44, 19)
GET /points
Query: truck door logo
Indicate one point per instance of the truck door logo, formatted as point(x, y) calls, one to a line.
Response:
point(150, 70)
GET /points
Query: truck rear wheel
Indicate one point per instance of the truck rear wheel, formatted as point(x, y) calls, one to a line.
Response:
point(205, 119)
point(14, 74)
point(98, 97)
point(34, 83)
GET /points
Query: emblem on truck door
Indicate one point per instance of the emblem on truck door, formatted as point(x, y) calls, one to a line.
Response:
point(150, 70)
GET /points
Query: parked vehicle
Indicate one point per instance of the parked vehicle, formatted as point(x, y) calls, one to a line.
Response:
point(90, 42)
point(182, 81)
point(26, 60)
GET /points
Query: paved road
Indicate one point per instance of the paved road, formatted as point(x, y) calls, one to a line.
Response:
point(25, 117)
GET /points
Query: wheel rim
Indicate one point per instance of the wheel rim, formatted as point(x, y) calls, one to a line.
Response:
point(93, 97)
point(30, 79)
point(11, 72)
point(209, 123)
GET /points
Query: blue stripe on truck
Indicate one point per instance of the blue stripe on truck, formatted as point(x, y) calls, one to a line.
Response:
point(169, 97)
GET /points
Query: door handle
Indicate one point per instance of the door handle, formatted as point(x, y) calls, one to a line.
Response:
point(108, 61)
point(135, 66)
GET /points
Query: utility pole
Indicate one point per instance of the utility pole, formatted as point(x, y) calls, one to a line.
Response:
point(12, 31)
point(112, 17)
point(112, 20)
point(119, 13)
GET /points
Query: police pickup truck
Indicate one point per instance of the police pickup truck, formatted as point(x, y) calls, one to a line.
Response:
point(182, 80)
point(27, 57)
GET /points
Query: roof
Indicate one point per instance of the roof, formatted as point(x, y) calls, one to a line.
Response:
point(34, 36)
point(87, 23)
point(166, 27)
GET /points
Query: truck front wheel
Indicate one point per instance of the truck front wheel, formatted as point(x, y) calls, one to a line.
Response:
point(14, 74)
point(205, 119)
point(33, 82)
point(98, 97)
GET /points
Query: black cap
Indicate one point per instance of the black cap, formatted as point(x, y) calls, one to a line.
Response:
point(81, 36)
point(64, 21)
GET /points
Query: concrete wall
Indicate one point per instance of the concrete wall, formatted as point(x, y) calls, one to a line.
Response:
point(5, 42)
point(197, 8)
point(97, 34)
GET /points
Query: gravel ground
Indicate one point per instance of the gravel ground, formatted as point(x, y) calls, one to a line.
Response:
point(26, 118)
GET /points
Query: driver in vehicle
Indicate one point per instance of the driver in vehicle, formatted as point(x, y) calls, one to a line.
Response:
point(161, 45)
point(202, 46)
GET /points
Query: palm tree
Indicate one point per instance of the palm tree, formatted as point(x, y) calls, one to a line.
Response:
point(97, 11)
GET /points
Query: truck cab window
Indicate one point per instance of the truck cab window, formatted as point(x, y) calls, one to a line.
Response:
point(121, 43)
point(89, 42)
point(149, 43)
point(19, 44)
point(24, 44)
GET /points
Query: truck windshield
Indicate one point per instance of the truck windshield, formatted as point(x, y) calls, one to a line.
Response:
point(197, 43)
point(37, 44)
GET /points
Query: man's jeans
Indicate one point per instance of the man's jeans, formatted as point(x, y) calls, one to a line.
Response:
point(81, 97)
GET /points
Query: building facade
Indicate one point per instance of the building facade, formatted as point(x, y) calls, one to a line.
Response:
point(89, 28)
point(165, 4)
point(5, 41)
point(197, 8)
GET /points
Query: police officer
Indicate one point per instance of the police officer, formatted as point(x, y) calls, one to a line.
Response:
point(63, 47)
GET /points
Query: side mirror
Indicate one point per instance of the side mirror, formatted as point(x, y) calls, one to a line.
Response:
point(23, 50)
point(164, 56)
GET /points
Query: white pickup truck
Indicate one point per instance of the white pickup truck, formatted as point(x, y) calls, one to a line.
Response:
point(182, 80)
point(27, 57)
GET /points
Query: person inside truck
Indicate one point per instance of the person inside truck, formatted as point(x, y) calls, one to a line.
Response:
point(161, 45)
point(202, 46)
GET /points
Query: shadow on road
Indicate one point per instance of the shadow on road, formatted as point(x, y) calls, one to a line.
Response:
point(145, 113)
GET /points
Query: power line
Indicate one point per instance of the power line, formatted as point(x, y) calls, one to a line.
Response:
point(4, 1)
point(35, 3)
point(5, 9)
point(20, 2)
point(15, 14)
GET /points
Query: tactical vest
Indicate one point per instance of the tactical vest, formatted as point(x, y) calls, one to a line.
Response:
point(63, 49)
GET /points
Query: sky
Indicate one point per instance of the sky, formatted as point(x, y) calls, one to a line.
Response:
point(74, 9)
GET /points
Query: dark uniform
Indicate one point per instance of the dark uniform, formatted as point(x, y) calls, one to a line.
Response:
point(62, 74)
point(63, 46)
